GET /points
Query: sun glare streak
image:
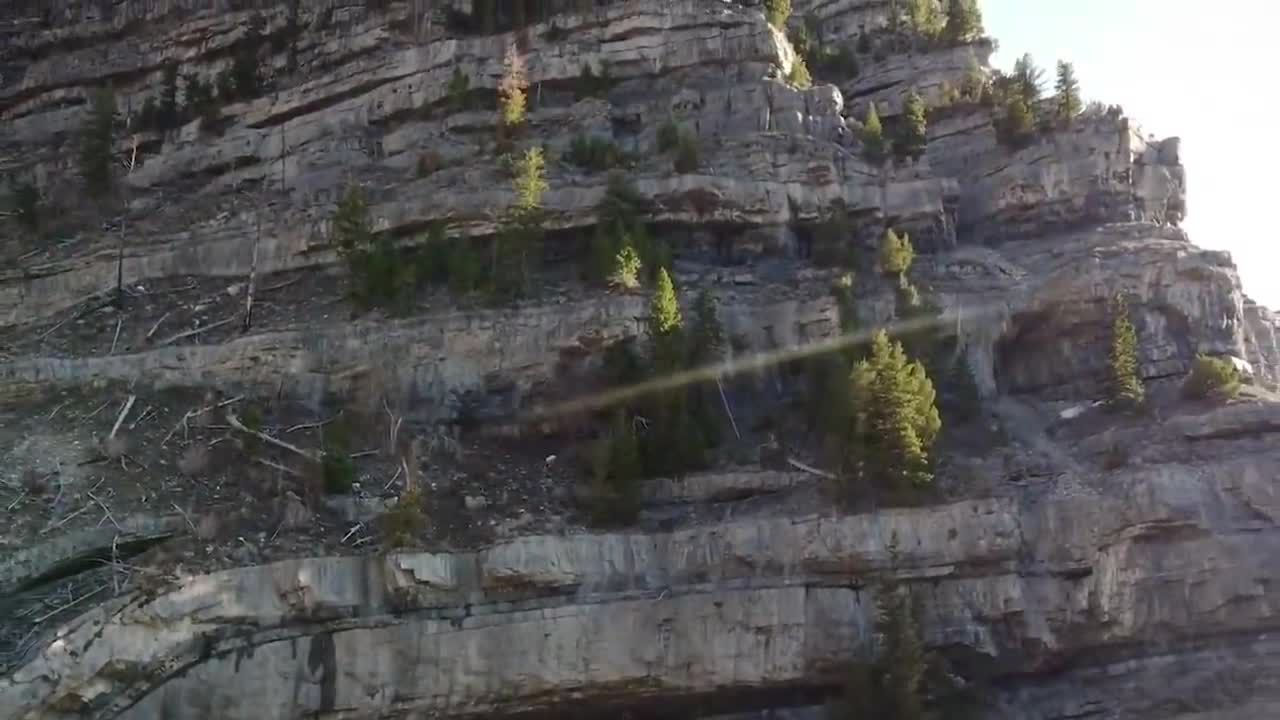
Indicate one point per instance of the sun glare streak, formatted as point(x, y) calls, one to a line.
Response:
point(735, 366)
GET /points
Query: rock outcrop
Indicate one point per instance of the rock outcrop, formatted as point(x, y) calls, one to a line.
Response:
point(1073, 562)
point(1022, 581)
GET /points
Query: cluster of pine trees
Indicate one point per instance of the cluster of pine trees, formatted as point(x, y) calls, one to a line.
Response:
point(669, 431)
point(909, 141)
point(1021, 109)
point(383, 276)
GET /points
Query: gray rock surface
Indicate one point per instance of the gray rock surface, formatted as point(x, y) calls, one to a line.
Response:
point(1021, 581)
point(1097, 565)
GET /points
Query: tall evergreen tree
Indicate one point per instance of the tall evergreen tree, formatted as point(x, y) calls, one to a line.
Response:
point(1067, 101)
point(24, 198)
point(964, 21)
point(915, 132)
point(616, 471)
point(1017, 124)
point(901, 661)
point(895, 419)
point(245, 80)
point(971, 87)
point(896, 253)
point(923, 18)
point(674, 443)
point(707, 341)
point(95, 143)
point(511, 90)
point(1028, 80)
point(167, 111)
point(1126, 385)
point(777, 11)
point(665, 321)
point(518, 240)
point(529, 182)
point(872, 135)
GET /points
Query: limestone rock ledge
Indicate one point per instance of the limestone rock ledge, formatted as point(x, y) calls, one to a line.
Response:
point(1040, 588)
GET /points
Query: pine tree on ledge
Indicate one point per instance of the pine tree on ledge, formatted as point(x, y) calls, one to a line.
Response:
point(1126, 390)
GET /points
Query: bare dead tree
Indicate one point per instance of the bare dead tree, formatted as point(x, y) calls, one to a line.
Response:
point(253, 273)
point(283, 153)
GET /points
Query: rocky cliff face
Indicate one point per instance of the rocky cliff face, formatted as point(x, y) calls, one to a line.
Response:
point(1073, 563)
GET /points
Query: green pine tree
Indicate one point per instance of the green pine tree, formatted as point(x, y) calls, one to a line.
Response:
point(1017, 126)
point(24, 198)
point(512, 102)
point(894, 421)
point(896, 253)
point(372, 263)
point(517, 244)
point(459, 85)
point(245, 82)
point(974, 82)
point(664, 309)
point(675, 442)
point(167, 110)
point(95, 143)
point(1067, 102)
point(1027, 80)
point(529, 181)
point(923, 18)
point(901, 662)
point(777, 12)
point(707, 341)
point(915, 132)
point(799, 76)
point(872, 135)
point(964, 21)
point(614, 493)
point(963, 396)
point(1126, 385)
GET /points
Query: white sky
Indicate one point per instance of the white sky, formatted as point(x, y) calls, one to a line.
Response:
point(1208, 72)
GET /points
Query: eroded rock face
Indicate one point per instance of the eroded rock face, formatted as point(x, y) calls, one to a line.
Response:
point(1130, 591)
point(1019, 581)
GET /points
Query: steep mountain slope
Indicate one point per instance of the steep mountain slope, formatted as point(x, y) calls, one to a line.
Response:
point(162, 561)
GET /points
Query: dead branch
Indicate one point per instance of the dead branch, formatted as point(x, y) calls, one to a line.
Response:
point(115, 560)
point(235, 423)
point(363, 453)
point(66, 519)
point(95, 412)
point(393, 477)
point(810, 469)
point(394, 423)
point(253, 275)
point(14, 504)
point(351, 532)
point(277, 466)
point(73, 603)
point(196, 413)
point(197, 331)
point(280, 285)
point(37, 251)
point(156, 327)
point(55, 410)
point(76, 316)
point(309, 426)
point(185, 516)
point(105, 509)
point(728, 412)
point(116, 339)
point(124, 411)
point(148, 412)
